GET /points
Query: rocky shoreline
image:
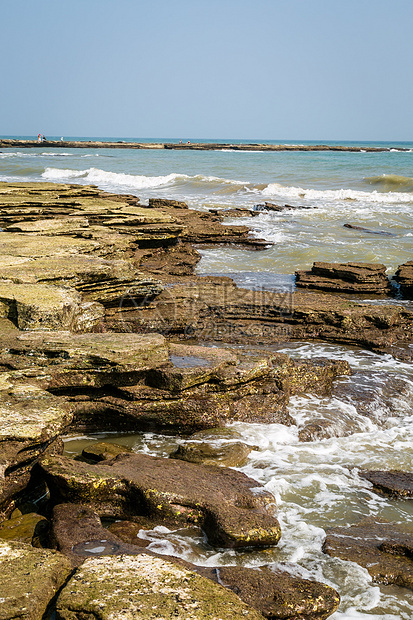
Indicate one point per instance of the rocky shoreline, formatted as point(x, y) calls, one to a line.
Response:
point(105, 326)
point(196, 146)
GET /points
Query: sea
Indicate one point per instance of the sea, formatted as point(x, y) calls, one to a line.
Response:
point(316, 483)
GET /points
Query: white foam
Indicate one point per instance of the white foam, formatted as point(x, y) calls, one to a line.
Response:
point(277, 190)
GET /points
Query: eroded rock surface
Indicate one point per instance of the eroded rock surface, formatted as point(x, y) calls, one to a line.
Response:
point(345, 278)
point(146, 587)
point(29, 578)
point(276, 594)
point(234, 510)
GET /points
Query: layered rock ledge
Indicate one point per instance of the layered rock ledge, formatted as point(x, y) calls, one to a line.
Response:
point(196, 146)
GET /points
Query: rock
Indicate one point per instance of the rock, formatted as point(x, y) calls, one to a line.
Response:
point(346, 278)
point(155, 203)
point(404, 277)
point(367, 230)
point(276, 594)
point(220, 311)
point(107, 282)
point(227, 455)
point(396, 484)
point(270, 206)
point(384, 549)
point(103, 450)
point(30, 421)
point(29, 579)
point(272, 592)
point(234, 510)
point(128, 531)
point(39, 306)
point(146, 587)
point(87, 360)
point(29, 528)
point(235, 212)
point(78, 533)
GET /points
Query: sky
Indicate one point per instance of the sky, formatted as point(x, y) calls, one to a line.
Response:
point(227, 69)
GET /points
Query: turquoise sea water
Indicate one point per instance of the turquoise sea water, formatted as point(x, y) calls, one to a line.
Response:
point(316, 484)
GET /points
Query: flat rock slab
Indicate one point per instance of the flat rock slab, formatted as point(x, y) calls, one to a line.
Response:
point(91, 360)
point(345, 278)
point(94, 278)
point(384, 549)
point(234, 510)
point(45, 307)
point(398, 484)
point(147, 587)
point(29, 579)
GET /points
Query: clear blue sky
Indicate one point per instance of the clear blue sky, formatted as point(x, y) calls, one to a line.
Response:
point(270, 69)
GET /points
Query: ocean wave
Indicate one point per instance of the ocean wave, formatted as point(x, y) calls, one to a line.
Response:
point(203, 186)
point(391, 182)
point(97, 176)
point(299, 193)
point(135, 181)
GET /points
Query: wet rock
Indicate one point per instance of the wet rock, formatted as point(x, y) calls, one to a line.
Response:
point(78, 533)
point(222, 312)
point(128, 531)
point(227, 455)
point(384, 549)
point(29, 528)
point(277, 594)
point(367, 230)
point(29, 579)
point(396, 484)
point(270, 206)
point(404, 277)
point(147, 587)
point(234, 510)
point(235, 212)
point(103, 450)
point(316, 430)
point(345, 278)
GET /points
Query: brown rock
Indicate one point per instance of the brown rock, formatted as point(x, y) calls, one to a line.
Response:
point(230, 512)
point(277, 594)
point(397, 484)
point(227, 455)
point(383, 548)
point(345, 278)
point(404, 277)
point(103, 450)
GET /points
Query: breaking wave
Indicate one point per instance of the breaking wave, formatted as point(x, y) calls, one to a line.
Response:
point(136, 181)
point(277, 190)
point(391, 182)
point(203, 186)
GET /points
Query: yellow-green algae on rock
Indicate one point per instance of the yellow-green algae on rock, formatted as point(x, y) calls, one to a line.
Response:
point(29, 579)
point(131, 587)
